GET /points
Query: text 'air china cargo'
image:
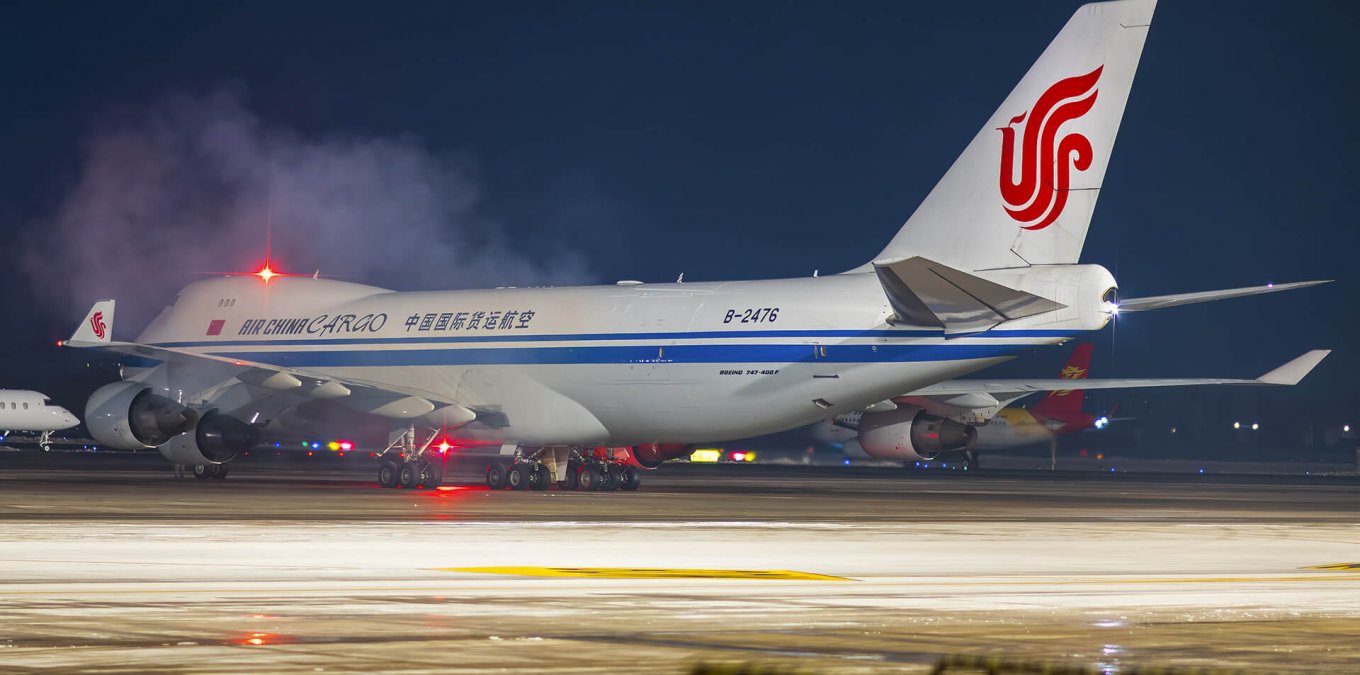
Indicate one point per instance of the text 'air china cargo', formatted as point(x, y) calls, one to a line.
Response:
point(585, 386)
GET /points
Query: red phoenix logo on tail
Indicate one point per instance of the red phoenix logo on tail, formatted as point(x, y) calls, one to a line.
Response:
point(1038, 197)
point(97, 325)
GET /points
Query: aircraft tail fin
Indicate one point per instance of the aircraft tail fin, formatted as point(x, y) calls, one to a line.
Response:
point(97, 328)
point(1023, 191)
point(1066, 404)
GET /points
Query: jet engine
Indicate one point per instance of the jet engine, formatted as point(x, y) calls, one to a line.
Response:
point(910, 434)
point(128, 415)
point(652, 455)
point(217, 439)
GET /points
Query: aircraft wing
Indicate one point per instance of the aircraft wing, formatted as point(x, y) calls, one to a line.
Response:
point(1288, 374)
point(1162, 301)
point(380, 399)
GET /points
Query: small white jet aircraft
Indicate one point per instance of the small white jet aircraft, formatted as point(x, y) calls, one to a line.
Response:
point(986, 269)
point(23, 410)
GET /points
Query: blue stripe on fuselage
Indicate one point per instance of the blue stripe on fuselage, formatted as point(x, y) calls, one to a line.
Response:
point(737, 353)
point(597, 337)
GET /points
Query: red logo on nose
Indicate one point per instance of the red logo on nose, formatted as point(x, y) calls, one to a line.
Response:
point(97, 325)
point(1038, 197)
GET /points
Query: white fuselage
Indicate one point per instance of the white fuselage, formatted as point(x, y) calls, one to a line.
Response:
point(23, 410)
point(671, 363)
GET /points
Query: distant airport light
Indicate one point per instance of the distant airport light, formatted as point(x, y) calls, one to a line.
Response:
point(1237, 425)
point(705, 455)
point(1173, 430)
point(1255, 426)
point(1346, 429)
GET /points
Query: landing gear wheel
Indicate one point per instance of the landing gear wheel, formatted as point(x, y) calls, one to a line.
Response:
point(589, 478)
point(629, 479)
point(610, 479)
point(427, 476)
point(387, 474)
point(221, 472)
point(539, 477)
point(518, 477)
point(406, 476)
point(573, 480)
point(495, 476)
point(203, 471)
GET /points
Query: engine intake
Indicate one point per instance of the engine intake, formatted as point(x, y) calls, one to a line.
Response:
point(652, 455)
point(128, 415)
point(909, 434)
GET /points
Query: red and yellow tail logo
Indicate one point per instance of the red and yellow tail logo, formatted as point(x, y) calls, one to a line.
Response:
point(97, 325)
point(1070, 373)
point(1038, 197)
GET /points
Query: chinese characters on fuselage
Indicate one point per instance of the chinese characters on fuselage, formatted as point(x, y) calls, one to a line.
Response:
point(483, 320)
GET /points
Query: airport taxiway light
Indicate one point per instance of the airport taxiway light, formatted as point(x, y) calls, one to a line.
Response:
point(332, 446)
point(1255, 426)
point(1346, 429)
point(346, 445)
point(1237, 425)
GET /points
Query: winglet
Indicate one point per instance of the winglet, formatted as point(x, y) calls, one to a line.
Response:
point(1293, 372)
point(96, 329)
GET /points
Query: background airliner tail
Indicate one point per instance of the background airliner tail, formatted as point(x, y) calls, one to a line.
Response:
point(1023, 191)
point(1065, 404)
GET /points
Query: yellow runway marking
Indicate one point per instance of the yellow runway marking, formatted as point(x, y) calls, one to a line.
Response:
point(1335, 567)
point(643, 573)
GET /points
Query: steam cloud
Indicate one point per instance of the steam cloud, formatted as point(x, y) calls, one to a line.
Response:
point(187, 187)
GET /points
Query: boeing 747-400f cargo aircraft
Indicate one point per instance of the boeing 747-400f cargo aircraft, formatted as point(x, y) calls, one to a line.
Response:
point(23, 410)
point(985, 269)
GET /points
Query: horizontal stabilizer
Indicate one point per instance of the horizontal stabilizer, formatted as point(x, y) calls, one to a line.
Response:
point(923, 292)
point(1288, 374)
point(1162, 301)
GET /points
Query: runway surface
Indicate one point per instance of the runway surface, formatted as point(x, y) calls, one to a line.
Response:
point(826, 570)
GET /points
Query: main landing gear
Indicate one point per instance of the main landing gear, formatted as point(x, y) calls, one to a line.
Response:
point(404, 465)
point(206, 471)
point(591, 472)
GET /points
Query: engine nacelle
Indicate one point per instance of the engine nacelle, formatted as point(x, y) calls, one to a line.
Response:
point(217, 439)
point(652, 455)
point(128, 415)
point(909, 434)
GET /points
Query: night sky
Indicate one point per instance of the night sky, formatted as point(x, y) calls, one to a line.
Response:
point(599, 141)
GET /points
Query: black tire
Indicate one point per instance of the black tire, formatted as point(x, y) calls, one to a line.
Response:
point(387, 474)
point(406, 476)
point(630, 478)
point(427, 476)
point(609, 479)
point(589, 478)
point(495, 476)
point(539, 477)
point(518, 477)
point(203, 471)
point(573, 479)
point(221, 472)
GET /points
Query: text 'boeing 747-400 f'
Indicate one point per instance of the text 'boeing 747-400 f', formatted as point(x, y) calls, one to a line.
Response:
point(985, 269)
